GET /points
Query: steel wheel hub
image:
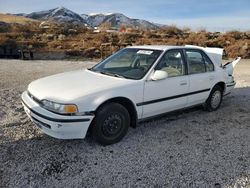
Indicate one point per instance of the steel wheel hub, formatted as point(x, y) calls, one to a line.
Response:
point(216, 99)
point(112, 125)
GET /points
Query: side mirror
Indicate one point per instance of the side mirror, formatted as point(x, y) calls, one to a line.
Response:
point(159, 75)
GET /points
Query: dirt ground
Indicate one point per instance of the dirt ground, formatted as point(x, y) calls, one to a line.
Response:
point(190, 148)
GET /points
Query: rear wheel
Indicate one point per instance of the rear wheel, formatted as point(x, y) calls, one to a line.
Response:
point(110, 124)
point(215, 98)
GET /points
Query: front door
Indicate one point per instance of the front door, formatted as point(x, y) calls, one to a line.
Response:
point(168, 94)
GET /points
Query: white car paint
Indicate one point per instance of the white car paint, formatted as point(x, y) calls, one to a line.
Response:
point(88, 90)
point(155, 90)
point(85, 88)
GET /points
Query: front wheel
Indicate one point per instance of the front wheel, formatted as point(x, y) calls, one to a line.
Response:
point(215, 98)
point(110, 124)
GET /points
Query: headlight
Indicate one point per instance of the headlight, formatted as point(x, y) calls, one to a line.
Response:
point(59, 108)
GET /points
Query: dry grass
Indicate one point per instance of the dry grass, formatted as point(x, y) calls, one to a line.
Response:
point(15, 19)
point(79, 41)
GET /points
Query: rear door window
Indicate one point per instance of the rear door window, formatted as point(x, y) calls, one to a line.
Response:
point(196, 63)
point(209, 64)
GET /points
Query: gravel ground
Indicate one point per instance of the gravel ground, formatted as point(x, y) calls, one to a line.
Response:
point(190, 148)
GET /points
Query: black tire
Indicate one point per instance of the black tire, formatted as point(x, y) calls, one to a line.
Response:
point(215, 98)
point(110, 124)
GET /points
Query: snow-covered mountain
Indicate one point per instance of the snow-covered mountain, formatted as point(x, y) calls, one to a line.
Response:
point(59, 14)
point(116, 20)
point(96, 19)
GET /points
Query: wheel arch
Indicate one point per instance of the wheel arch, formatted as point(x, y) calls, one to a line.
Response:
point(207, 105)
point(222, 85)
point(128, 104)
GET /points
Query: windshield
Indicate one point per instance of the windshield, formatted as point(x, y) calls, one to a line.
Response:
point(129, 63)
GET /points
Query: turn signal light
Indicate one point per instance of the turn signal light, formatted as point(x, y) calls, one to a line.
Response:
point(70, 109)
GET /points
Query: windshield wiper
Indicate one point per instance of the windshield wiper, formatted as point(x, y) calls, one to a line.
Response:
point(106, 73)
point(119, 76)
point(112, 74)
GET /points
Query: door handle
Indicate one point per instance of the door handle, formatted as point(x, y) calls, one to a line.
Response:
point(183, 83)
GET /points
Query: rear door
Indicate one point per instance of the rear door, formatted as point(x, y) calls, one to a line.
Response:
point(168, 94)
point(202, 76)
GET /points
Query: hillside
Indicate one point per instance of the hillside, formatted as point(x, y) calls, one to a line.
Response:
point(118, 20)
point(62, 31)
point(9, 18)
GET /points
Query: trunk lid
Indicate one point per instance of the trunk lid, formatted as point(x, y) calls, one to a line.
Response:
point(229, 67)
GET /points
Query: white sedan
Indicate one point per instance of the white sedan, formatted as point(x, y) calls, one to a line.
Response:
point(133, 84)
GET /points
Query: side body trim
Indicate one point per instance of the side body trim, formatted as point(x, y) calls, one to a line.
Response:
point(170, 98)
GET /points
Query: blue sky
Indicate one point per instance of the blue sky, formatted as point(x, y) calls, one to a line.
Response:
point(213, 15)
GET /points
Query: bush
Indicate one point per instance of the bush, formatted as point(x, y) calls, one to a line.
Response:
point(81, 41)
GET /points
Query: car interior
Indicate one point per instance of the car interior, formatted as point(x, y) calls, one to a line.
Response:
point(195, 62)
point(172, 63)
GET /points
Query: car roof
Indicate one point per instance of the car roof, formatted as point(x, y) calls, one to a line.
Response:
point(156, 47)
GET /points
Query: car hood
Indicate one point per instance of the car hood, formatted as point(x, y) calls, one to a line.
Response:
point(69, 86)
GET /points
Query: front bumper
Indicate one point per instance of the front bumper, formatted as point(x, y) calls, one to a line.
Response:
point(55, 125)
